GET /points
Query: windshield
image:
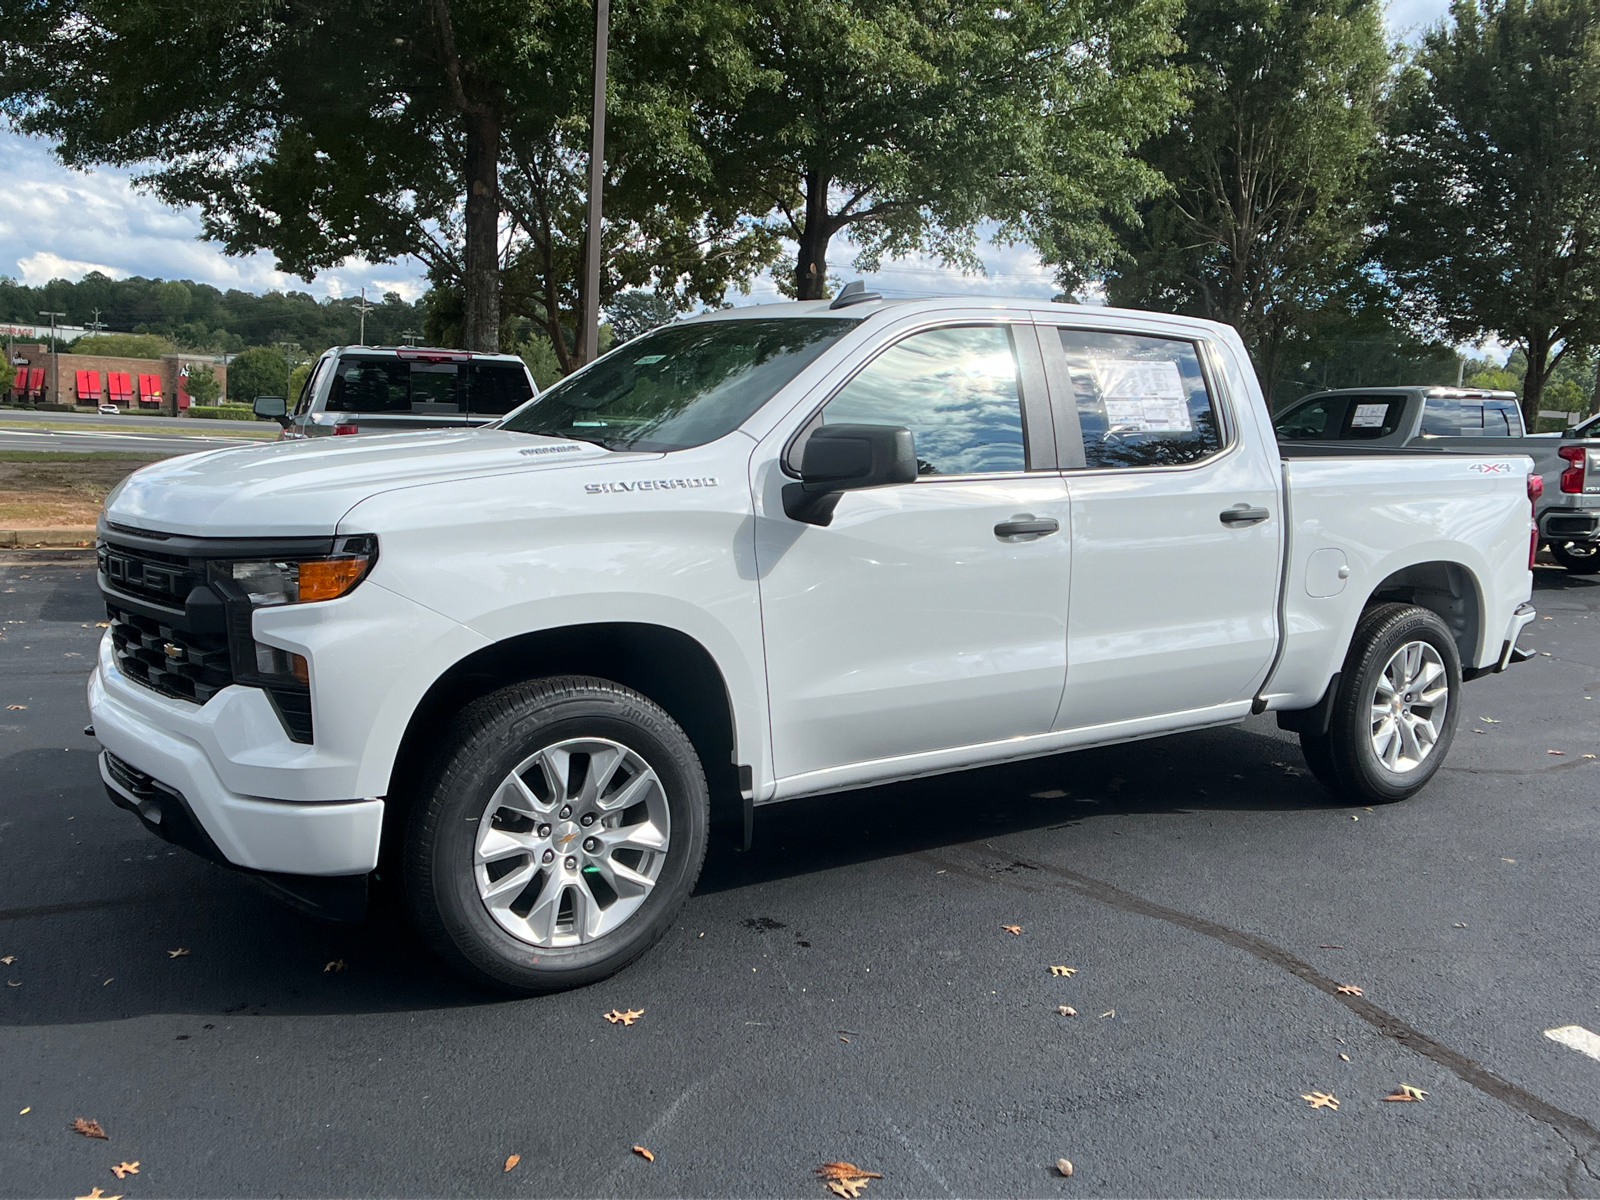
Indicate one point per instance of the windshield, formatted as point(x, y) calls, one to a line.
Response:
point(680, 386)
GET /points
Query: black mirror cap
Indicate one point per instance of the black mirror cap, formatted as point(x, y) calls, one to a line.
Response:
point(841, 458)
point(270, 407)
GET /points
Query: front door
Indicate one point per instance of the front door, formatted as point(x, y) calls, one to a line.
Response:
point(1176, 533)
point(920, 619)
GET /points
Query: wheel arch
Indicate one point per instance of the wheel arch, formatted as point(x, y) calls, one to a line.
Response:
point(1448, 589)
point(663, 664)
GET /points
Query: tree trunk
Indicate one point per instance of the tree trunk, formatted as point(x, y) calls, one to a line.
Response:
point(480, 328)
point(1594, 398)
point(811, 266)
point(1538, 351)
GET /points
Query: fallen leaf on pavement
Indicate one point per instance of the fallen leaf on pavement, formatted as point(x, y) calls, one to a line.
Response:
point(8, 959)
point(644, 1154)
point(1110, 1012)
point(1349, 989)
point(1406, 1092)
point(123, 1169)
point(25, 1111)
point(1489, 720)
point(1509, 860)
point(1345, 1057)
point(178, 953)
point(511, 1161)
point(1064, 1165)
point(336, 965)
point(1068, 971)
point(16, 707)
point(89, 1128)
point(1012, 929)
point(845, 1179)
point(617, 1017)
point(1322, 1100)
point(1559, 752)
point(1066, 1010)
point(96, 1194)
point(1588, 756)
point(1330, 946)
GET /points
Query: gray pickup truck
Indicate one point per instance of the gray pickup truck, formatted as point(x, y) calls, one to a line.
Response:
point(1469, 421)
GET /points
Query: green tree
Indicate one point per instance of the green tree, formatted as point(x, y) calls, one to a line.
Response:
point(634, 312)
point(122, 345)
point(174, 300)
point(258, 371)
point(202, 385)
point(908, 122)
point(1262, 224)
point(297, 380)
point(1491, 219)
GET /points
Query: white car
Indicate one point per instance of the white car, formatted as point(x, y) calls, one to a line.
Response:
point(760, 554)
point(110, 410)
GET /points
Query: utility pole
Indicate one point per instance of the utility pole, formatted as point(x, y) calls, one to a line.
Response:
point(589, 335)
point(363, 308)
point(96, 325)
point(55, 355)
point(411, 336)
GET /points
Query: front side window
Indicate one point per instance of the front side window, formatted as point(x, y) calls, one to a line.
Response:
point(1142, 401)
point(681, 385)
point(956, 390)
point(1309, 422)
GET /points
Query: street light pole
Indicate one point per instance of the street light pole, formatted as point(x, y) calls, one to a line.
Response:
point(55, 354)
point(589, 337)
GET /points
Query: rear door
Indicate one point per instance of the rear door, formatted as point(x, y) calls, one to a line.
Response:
point(1176, 528)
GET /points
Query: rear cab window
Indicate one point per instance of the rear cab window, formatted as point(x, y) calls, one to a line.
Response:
point(1470, 416)
point(382, 385)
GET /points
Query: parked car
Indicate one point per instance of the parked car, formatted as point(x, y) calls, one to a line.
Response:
point(1468, 421)
point(109, 410)
point(370, 389)
point(760, 554)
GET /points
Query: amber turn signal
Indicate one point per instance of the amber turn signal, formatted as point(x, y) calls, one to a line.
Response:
point(326, 578)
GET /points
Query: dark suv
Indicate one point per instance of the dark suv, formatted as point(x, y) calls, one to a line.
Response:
point(376, 389)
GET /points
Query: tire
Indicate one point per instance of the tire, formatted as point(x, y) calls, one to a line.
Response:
point(485, 897)
point(1409, 761)
point(1581, 558)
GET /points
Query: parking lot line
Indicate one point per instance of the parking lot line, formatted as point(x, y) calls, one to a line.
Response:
point(1579, 1038)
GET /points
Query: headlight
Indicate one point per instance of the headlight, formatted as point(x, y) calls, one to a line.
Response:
point(302, 580)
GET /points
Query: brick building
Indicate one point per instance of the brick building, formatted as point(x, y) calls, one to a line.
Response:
point(91, 379)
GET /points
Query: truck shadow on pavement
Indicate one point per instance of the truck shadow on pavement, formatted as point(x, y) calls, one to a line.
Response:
point(107, 923)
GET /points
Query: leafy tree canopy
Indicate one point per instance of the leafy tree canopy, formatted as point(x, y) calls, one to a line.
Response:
point(1262, 224)
point(258, 371)
point(1491, 212)
point(122, 345)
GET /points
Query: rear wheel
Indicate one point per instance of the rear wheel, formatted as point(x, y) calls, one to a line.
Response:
point(1581, 558)
point(1398, 703)
point(561, 833)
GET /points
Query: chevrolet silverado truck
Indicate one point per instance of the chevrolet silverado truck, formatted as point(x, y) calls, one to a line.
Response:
point(762, 554)
point(1469, 421)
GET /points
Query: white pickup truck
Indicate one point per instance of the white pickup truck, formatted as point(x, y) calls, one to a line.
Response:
point(761, 554)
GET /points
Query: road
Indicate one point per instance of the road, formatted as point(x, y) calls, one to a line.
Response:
point(13, 416)
point(86, 433)
point(847, 989)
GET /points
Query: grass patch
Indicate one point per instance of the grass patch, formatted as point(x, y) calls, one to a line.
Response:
point(41, 490)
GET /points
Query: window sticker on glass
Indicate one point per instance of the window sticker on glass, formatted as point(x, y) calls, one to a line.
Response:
point(648, 359)
point(1143, 396)
point(1369, 416)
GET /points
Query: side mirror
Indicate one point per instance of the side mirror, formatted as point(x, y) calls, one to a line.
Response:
point(843, 458)
point(273, 408)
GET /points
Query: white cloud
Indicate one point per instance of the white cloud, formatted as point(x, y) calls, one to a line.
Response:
point(43, 266)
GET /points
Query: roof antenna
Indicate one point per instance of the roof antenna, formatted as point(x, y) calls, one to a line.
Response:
point(854, 292)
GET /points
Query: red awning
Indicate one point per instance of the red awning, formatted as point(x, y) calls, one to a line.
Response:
point(36, 379)
point(89, 386)
point(19, 381)
point(150, 389)
point(121, 387)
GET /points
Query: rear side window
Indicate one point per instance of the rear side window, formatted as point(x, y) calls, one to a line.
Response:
point(1310, 422)
point(1142, 401)
point(1372, 417)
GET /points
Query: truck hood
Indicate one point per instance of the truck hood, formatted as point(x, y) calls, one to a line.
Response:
point(303, 488)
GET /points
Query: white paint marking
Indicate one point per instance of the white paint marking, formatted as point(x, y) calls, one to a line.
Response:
point(1579, 1038)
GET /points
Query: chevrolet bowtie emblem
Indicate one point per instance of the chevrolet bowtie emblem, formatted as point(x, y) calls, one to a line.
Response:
point(171, 650)
point(565, 840)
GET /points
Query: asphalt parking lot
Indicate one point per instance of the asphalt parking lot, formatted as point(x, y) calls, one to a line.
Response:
point(847, 990)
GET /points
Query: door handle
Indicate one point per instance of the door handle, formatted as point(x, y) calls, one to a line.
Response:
point(1026, 525)
point(1243, 514)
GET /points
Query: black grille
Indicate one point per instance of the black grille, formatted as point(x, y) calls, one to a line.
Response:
point(148, 575)
point(294, 710)
point(131, 779)
point(172, 661)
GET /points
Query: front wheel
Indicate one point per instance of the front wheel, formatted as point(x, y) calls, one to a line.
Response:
point(1581, 558)
point(1397, 707)
point(562, 831)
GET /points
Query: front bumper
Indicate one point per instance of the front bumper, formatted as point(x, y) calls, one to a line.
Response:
point(168, 741)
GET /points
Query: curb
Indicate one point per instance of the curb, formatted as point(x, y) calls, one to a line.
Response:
point(53, 538)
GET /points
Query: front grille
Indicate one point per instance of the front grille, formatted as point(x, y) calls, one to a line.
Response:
point(170, 660)
point(132, 780)
point(165, 579)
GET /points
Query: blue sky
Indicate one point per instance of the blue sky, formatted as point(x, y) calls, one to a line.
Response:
point(60, 223)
